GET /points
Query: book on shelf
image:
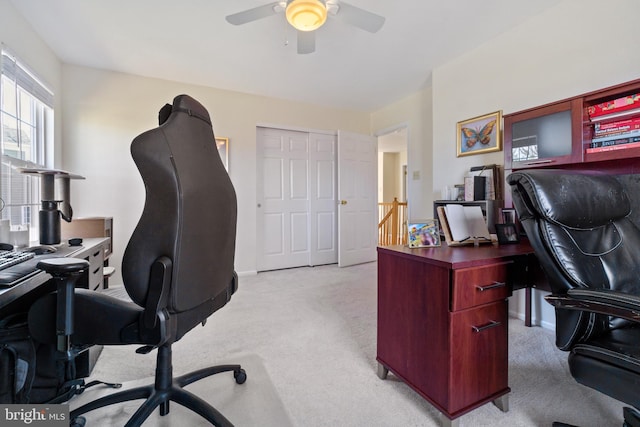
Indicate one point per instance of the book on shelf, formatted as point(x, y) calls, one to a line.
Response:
point(609, 109)
point(492, 183)
point(475, 188)
point(463, 225)
point(617, 135)
point(616, 125)
point(633, 143)
point(616, 141)
point(618, 132)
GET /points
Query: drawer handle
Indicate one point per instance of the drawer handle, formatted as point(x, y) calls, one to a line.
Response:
point(492, 286)
point(491, 324)
point(539, 162)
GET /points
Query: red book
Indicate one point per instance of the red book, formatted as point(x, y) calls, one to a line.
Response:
point(613, 147)
point(614, 106)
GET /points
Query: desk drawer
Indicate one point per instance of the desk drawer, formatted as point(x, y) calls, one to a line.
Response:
point(96, 261)
point(479, 285)
point(479, 354)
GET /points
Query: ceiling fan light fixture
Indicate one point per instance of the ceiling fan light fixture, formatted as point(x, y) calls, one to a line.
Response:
point(306, 15)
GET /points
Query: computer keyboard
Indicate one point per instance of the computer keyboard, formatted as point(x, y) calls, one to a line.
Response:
point(9, 258)
point(16, 266)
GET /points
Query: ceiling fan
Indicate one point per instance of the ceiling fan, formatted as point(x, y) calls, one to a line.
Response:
point(308, 15)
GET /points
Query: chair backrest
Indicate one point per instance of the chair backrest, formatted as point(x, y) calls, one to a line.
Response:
point(189, 214)
point(580, 229)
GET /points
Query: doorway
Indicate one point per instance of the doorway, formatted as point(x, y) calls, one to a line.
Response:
point(392, 185)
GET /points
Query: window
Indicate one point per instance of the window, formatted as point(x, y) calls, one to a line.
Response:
point(26, 122)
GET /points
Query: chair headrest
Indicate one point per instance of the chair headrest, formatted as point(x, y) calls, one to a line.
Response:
point(184, 104)
point(573, 199)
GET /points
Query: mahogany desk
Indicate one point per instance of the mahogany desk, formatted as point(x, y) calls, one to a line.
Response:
point(443, 321)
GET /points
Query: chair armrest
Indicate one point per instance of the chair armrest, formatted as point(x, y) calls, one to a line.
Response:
point(65, 273)
point(601, 301)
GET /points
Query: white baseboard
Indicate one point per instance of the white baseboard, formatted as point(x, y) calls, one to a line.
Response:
point(247, 273)
point(534, 322)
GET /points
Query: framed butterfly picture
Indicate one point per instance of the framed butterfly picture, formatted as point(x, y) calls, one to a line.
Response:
point(480, 134)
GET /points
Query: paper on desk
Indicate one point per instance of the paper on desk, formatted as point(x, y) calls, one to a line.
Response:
point(466, 222)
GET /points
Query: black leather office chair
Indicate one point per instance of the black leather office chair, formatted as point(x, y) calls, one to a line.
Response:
point(178, 267)
point(579, 227)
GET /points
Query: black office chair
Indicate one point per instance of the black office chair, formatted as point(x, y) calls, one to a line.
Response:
point(178, 267)
point(579, 227)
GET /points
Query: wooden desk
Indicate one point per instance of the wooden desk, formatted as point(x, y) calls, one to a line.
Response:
point(442, 322)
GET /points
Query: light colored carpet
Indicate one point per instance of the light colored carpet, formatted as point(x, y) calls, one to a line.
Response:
point(307, 339)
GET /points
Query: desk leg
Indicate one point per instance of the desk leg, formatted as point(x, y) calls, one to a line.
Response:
point(382, 371)
point(527, 306)
point(502, 403)
point(447, 422)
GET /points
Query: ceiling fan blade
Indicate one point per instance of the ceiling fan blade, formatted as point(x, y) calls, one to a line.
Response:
point(306, 41)
point(254, 14)
point(360, 18)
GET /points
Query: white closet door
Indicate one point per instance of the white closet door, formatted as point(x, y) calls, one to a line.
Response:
point(323, 200)
point(283, 226)
point(300, 177)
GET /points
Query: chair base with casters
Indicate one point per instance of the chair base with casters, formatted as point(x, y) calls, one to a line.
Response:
point(631, 419)
point(166, 389)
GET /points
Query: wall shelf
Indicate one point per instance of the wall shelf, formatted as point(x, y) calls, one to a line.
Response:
point(560, 134)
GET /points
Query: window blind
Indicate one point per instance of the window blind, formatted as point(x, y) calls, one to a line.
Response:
point(17, 72)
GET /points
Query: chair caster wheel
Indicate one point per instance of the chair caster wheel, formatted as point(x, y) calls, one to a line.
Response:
point(240, 376)
point(78, 422)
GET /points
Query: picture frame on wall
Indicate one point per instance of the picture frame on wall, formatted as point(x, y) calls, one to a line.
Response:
point(480, 134)
point(223, 149)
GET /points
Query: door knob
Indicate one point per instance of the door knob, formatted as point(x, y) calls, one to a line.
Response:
point(343, 202)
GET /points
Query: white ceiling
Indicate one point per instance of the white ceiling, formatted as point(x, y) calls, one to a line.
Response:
point(190, 41)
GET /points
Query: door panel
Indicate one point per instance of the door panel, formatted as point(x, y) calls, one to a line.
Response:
point(273, 234)
point(322, 185)
point(357, 192)
point(283, 199)
point(299, 232)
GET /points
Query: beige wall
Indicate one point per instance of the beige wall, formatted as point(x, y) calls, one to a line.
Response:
point(562, 52)
point(572, 48)
point(104, 111)
point(392, 173)
point(414, 112)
